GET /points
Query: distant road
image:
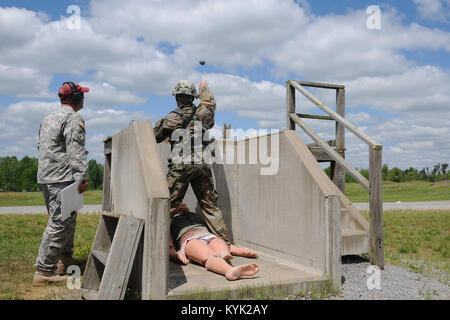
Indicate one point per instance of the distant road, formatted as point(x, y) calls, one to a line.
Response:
point(43, 209)
point(428, 205)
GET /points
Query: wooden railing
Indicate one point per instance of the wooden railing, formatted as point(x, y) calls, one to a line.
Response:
point(337, 155)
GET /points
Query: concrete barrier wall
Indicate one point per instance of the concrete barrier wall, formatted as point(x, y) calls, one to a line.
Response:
point(293, 215)
point(139, 188)
point(136, 170)
point(287, 214)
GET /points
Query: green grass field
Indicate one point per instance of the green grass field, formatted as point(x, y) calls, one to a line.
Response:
point(417, 240)
point(392, 192)
point(20, 236)
point(405, 191)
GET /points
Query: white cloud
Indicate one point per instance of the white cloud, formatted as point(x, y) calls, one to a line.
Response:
point(225, 33)
point(421, 89)
point(434, 10)
point(340, 47)
point(410, 100)
point(358, 118)
point(18, 26)
point(23, 82)
point(20, 125)
point(28, 113)
point(103, 94)
point(109, 121)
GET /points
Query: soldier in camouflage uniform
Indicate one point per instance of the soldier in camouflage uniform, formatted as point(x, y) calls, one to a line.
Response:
point(62, 161)
point(192, 169)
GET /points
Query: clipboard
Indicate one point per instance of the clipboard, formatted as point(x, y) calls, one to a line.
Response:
point(71, 199)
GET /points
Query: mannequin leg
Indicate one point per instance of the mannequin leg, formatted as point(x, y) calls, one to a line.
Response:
point(198, 251)
point(238, 251)
point(220, 266)
point(201, 253)
point(220, 248)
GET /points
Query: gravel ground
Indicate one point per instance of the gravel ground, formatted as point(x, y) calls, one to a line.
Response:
point(396, 283)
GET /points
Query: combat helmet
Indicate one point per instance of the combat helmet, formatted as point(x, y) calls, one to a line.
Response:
point(185, 87)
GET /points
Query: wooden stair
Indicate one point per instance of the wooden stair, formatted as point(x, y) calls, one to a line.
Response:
point(112, 256)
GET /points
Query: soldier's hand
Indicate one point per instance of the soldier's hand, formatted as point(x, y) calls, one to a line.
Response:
point(83, 187)
point(203, 84)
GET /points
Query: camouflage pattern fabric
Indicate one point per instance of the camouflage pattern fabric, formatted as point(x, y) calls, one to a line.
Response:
point(62, 153)
point(200, 177)
point(62, 161)
point(57, 240)
point(204, 112)
point(185, 87)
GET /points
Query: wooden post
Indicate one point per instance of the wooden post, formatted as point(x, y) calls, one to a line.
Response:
point(376, 207)
point(334, 238)
point(339, 171)
point(106, 201)
point(290, 106)
point(225, 131)
point(155, 275)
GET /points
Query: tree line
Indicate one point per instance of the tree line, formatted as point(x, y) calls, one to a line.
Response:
point(21, 175)
point(437, 173)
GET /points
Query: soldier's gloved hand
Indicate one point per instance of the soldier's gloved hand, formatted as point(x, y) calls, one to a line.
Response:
point(83, 187)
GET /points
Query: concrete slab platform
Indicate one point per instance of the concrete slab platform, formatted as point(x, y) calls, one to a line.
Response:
point(187, 282)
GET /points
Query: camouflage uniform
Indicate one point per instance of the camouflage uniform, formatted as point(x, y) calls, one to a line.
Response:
point(62, 160)
point(199, 175)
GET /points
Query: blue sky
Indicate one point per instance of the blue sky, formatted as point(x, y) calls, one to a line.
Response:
point(132, 53)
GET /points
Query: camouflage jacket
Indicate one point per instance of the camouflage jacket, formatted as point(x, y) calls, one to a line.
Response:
point(204, 114)
point(61, 146)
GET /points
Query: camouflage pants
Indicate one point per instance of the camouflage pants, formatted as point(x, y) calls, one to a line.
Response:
point(199, 176)
point(58, 236)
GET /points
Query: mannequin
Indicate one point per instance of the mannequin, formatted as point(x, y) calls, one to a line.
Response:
point(195, 242)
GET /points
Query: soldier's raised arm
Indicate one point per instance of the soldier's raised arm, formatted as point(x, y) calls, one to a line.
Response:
point(207, 107)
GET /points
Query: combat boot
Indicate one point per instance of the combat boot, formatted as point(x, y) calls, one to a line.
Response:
point(42, 277)
point(67, 261)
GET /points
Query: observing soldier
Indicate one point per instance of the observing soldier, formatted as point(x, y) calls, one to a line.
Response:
point(192, 169)
point(62, 161)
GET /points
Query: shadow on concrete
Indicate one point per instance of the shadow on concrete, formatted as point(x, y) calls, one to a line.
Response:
point(350, 260)
point(224, 202)
point(353, 259)
point(176, 275)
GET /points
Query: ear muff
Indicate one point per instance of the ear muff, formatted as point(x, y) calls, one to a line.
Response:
point(76, 95)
